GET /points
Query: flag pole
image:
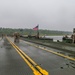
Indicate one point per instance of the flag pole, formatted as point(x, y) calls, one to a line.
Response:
point(38, 32)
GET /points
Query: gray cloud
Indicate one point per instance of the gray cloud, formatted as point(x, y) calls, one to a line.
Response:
point(49, 14)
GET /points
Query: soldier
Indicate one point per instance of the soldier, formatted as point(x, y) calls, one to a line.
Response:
point(73, 37)
point(16, 37)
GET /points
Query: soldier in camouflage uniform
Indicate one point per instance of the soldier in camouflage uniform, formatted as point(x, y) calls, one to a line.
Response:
point(16, 37)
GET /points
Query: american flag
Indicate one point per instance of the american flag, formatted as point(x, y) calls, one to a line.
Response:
point(35, 28)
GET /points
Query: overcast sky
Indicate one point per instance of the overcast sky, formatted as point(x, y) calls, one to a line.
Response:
point(49, 14)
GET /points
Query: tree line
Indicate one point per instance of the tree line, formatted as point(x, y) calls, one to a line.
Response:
point(10, 31)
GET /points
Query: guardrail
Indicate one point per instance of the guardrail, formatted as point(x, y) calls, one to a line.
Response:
point(70, 48)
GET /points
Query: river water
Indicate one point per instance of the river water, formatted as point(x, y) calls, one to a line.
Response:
point(55, 38)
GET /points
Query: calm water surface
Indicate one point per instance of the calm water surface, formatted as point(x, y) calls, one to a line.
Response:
point(55, 38)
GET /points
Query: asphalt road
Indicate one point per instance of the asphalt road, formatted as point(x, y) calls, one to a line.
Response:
point(11, 62)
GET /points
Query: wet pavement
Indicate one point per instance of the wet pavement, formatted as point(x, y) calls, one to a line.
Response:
point(54, 64)
point(11, 62)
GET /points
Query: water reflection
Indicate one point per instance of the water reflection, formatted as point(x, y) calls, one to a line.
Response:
point(6, 44)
